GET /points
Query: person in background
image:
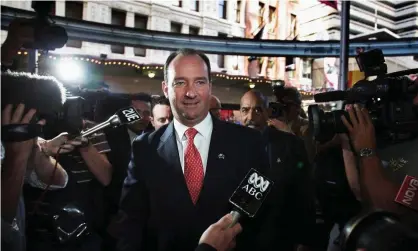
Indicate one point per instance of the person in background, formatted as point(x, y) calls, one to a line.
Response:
point(292, 121)
point(142, 103)
point(291, 203)
point(161, 112)
point(215, 107)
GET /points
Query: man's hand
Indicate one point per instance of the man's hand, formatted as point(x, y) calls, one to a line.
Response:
point(220, 236)
point(361, 129)
point(61, 143)
point(21, 150)
point(279, 125)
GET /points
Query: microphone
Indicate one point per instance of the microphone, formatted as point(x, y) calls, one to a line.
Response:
point(250, 195)
point(407, 192)
point(122, 117)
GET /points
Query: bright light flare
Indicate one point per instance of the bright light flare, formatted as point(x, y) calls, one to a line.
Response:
point(70, 71)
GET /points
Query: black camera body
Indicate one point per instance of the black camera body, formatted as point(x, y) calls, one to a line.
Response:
point(389, 99)
point(378, 231)
point(47, 36)
point(277, 110)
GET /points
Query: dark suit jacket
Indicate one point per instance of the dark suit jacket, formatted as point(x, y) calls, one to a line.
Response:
point(158, 213)
point(288, 211)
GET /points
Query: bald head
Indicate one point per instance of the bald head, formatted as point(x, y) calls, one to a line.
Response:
point(215, 106)
point(257, 96)
point(254, 110)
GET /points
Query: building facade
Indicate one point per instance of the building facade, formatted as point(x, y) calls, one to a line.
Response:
point(394, 19)
point(233, 18)
point(253, 19)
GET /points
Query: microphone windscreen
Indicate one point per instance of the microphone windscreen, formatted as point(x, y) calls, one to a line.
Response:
point(43, 93)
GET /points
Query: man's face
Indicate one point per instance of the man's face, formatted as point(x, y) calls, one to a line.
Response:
point(161, 116)
point(215, 107)
point(253, 114)
point(143, 108)
point(188, 89)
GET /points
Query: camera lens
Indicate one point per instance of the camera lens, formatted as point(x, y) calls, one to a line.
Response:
point(321, 122)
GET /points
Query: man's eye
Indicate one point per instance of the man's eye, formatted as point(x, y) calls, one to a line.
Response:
point(244, 110)
point(201, 82)
point(177, 83)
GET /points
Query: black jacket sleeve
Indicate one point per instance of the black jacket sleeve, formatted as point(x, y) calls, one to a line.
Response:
point(134, 205)
point(302, 196)
point(205, 247)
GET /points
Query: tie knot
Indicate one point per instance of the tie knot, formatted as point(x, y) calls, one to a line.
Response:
point(191, 133)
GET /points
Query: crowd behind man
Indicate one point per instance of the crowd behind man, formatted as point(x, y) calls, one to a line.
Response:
point(174, 170)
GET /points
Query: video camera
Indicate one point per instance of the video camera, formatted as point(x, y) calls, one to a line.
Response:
point(47, 35)
point(389, 99)
point(378, 231)
point(61, 111)
point(277, 109)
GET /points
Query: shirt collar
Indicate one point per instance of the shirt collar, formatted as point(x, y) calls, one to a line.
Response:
point(203, 128)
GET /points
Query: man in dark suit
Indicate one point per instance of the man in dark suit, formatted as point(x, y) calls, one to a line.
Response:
point(182, 175)
point(288, 212)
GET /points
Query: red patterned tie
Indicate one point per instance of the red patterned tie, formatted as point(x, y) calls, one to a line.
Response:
point(193, 167)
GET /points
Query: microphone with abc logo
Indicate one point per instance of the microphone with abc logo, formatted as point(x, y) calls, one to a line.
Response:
point(250, 195)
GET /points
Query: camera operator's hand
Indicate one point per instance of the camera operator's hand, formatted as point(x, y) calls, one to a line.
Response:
point(220, 236)
point(361, 129)
point(63, 144)
point(279, 125)
point(9, 116)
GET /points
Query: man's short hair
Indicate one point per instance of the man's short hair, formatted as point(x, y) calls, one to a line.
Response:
point(185, 52)
point(290, 93)
point(159, 101)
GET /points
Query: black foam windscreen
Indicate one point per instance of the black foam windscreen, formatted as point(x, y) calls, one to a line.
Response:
point(43, 93)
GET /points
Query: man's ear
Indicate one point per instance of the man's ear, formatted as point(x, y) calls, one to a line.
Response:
point(164, 87)
point(152, 120)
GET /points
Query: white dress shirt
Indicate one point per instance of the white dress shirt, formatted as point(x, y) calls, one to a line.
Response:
point(201, 140)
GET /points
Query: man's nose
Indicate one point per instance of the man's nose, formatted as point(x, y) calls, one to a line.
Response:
point(191, 91)
point(251, 115)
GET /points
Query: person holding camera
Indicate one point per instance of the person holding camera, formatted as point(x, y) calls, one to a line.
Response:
point(22, 161)
point(290, 170)
point(380, 173)
point(291, 120)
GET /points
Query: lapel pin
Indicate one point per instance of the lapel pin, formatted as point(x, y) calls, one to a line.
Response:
point(221, 156)
point(279, 160)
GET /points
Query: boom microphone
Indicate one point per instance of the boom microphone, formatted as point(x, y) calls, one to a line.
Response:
point(407, 193)
point(122, 117)
point(250, 195)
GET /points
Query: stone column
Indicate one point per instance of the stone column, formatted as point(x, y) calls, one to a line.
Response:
point(130, 22)
point(60, 8)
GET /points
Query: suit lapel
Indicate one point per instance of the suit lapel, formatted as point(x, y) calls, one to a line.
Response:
point(168, 151)
point(216, 165)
